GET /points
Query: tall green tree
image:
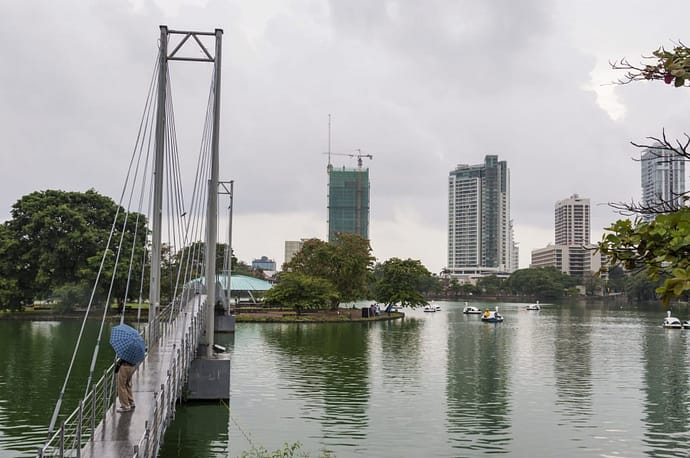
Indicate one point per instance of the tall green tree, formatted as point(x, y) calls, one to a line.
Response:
point(55, 237)
point(490, 284)
point(302, 292)
point(544, 283)
point(402, 282)
point(346, 262)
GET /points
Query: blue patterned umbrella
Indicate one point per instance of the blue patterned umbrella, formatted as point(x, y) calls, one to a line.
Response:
point(127, 343)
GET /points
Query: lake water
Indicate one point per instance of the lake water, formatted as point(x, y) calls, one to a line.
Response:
point(569, 380)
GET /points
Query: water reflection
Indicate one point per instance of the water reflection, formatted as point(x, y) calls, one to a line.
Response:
point(199, 430)
point(582, 380)
point(34, 360)
point(401, 346)
point(477, 387)
point(573, 366)
point(326, 365)
point(666, 390)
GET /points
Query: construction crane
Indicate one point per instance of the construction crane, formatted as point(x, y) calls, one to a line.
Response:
point(359, 156)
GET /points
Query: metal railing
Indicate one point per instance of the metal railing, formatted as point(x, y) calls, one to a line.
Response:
point(80, 426)
point(164, 401)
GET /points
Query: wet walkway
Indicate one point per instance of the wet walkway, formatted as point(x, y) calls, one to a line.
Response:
point(123, 434)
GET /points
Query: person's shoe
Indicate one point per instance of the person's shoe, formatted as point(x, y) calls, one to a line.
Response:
point(131, 406)
point(124, 409)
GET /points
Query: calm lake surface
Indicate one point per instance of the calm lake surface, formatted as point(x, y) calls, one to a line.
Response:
point(569, 380)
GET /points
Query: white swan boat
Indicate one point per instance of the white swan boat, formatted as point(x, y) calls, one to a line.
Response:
point(535, 306)
point(671, 322)
point(471, 310)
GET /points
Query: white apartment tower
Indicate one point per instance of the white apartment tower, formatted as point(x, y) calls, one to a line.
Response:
point(573, 252)
point(663, 180)
point(572, 221)
point(480, 238)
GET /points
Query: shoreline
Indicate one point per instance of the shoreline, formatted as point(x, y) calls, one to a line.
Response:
point(348, 316)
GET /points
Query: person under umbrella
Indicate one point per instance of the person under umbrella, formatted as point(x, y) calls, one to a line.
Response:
point(130, 350)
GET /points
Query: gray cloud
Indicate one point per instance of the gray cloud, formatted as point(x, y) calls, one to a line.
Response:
point(422, 86)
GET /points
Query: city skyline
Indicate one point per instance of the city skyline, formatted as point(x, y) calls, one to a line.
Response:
point(420, 86)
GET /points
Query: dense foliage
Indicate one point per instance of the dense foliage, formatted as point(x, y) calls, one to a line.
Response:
point(660, 247)
point(302, 292)
point(543, 283)
point(402, 282)
point(58, 238)
point(346, 263)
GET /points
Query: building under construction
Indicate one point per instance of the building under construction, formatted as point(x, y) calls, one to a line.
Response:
point(348, 201)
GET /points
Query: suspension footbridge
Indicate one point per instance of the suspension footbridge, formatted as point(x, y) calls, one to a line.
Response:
point(181, 360)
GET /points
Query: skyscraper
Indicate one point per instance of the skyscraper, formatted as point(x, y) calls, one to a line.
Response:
point(480, 238)
point(572, 253)
point(348, 201)
point(572, 221)
point(663, 180)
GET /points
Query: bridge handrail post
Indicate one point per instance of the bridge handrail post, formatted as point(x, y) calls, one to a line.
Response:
point(147, 431)
point(92, 395)
point(80, 418)
point(164, 411)
point(155, 423)
point(62, 439)
point(105, 396)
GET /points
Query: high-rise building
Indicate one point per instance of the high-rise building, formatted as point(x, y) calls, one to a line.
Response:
point(663, 180)
point(480, 238)
point(348, 201)
point(292, 247)
point(573, 253)
point(572, 221)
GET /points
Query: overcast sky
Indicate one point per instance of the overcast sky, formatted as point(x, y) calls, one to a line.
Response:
point(420, 85)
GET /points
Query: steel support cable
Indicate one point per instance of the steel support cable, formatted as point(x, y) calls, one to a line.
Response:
point(179, 209)
point(135, 154)
point(205, 173)
point(196, 203)
point(193, 223)
point(139, 213)
point(167, 181)
point(173, 186)
point(58, 404)
point(147, 134)
point(176, 203)
point(204, 170)
point(149, 212)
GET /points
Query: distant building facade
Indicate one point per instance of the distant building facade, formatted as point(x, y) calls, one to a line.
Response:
point(292, 247)
point(348, 201)
point(572, 221)
point(264, 263)
point(663, 180)
point(573, 253)
point(480, 232)
point(574, 260)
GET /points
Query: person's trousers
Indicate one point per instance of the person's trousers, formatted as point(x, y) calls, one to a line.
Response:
point(124, 385)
